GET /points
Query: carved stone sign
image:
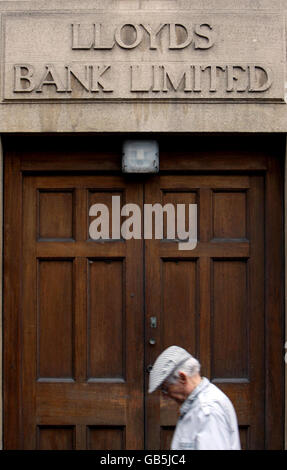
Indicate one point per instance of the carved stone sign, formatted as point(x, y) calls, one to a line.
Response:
point(143, 56)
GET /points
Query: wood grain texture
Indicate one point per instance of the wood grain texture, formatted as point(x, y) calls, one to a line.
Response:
point(223, 301)
point(225, 205)
point(55, 319)
point(56, 218)
point(77, 312)
point(106, 319)
point(274, 306)
point(56, 438)
point(227, 292)
point(12, 344)
point(230, 325)
point(105, 438)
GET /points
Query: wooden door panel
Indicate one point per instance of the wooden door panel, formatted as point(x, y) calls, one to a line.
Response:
point(229, 319)
point(179, 304)
point(225, 205)
point(103, 438)
point(56, 437)
point(106, 325)
point(177, 197)
point(55, 328)
point(55, 220)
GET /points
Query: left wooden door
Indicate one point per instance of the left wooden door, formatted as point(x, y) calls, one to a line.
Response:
point(79, 316)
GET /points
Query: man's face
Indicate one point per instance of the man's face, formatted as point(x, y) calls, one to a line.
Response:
point(176, 391)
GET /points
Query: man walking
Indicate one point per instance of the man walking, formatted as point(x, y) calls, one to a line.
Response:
point(207, 418)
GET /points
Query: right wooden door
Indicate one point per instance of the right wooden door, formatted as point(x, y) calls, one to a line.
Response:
point(212, 300)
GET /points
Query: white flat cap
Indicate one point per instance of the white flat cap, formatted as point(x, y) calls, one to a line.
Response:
point(165, 364)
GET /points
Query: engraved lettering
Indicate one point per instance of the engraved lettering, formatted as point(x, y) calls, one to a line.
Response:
point(84, 81)
point(232, 77)
point(130, 35)
point(137, 75)
point(153, 34)
point(204, 31)
point(138, 36)
point(197, 78)
point(76, 29)
point(23, 78)
point(156, 78)
point(254, 85)
point(51, 77)
point(174, 30)
point(98, 80)
point(213, 75)
point(98, 44)
point(175, 78)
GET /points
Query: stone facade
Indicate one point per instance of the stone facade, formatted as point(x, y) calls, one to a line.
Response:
point(186, 72)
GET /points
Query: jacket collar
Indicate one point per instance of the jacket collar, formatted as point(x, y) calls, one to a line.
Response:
point(190, 399)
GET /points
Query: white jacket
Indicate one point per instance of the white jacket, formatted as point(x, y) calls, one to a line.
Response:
point(207, 421)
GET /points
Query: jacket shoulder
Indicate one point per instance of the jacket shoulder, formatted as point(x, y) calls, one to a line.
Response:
point(212, 398)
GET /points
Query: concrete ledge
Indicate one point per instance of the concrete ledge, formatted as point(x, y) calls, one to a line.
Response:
point(142, 4)
point(143, 117)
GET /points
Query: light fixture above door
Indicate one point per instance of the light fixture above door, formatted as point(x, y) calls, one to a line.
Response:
point(140, 156)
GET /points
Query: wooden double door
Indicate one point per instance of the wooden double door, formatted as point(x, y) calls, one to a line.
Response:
point(85, 319)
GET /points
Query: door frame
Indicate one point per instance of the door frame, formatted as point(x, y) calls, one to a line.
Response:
point(274, 290)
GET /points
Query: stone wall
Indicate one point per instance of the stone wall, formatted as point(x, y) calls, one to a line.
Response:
point(220, 68)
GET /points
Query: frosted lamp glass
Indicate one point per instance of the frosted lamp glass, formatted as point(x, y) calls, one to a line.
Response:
point(140, 156)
